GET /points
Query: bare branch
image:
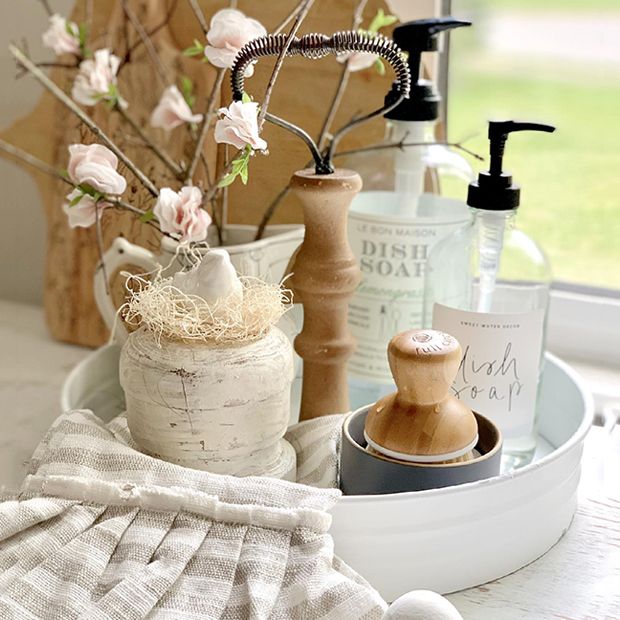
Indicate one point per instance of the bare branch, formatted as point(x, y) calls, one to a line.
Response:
point(161, 154)
point(71, 105)
point(99, 236)
point(51, 65)
point(47, 7)
point(402, 145)
point(285, 22)
point(150, 33)
point(148, 43)
point(89, 13)
point(358, 16)
point(33, 161)
point(270, 211)
point(304, 7)
point(40, 165)
point(206, 122)
point(200, 16)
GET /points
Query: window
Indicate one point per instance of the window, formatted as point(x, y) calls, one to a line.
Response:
point(557, 62)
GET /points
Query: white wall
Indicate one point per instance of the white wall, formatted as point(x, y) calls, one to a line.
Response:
point(22, 224)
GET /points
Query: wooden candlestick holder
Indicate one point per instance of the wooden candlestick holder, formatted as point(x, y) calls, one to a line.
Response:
point(325, 275)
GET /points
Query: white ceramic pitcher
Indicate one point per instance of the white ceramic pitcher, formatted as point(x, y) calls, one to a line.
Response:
point(266, 258)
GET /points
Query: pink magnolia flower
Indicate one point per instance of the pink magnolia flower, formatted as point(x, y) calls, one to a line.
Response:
point(62, 36)
point(172, 111)
point(358, 61)
point(95, 165)
point(180, 214)
point(96, 79)
point(239, 126)
point(230, 30)
point(83, 214)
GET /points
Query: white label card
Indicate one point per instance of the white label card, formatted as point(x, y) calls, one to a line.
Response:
point(500, 368)
point(392, 256)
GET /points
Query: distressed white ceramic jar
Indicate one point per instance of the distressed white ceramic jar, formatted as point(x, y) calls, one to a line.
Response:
point(220, 408)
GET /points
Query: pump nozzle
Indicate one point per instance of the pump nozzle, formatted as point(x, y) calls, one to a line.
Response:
point(415, 37)
point(494, 189)
point(495, 195)
point(498, 134)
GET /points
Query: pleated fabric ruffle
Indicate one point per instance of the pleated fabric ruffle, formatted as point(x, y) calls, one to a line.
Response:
point(102, 531)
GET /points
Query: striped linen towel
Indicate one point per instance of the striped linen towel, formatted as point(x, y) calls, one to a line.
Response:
point(102, 531)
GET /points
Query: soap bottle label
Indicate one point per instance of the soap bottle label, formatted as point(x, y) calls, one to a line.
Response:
point(392, 255)
point(499, 371)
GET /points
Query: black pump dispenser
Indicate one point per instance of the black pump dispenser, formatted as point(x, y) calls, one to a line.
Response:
point(415, 37)
point(494, 189)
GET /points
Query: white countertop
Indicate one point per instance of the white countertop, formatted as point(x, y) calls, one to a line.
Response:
point(579, 579)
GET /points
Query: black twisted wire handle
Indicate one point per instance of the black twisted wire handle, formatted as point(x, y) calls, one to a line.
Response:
point(317, 45)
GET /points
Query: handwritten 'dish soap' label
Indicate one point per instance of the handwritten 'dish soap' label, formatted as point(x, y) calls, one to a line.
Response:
point(499, 370)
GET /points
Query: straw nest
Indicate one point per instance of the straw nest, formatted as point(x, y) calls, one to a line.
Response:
point(170, 313)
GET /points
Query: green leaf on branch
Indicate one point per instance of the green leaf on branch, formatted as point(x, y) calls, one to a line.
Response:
point(227, 180)
point(195, 50)
point(76, 200)
point(381, 20)
point(87, 189)
point(379, 66)
point(239, 168)
point(147, 216)
point(82, 35)
point(187, 88)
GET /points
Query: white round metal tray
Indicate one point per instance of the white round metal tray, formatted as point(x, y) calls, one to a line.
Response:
point(443, 539)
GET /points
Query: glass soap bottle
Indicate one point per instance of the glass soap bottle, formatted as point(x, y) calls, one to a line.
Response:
point(399, 216)
point(488, 284)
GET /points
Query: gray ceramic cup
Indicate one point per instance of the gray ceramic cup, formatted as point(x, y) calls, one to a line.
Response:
point(365, 473)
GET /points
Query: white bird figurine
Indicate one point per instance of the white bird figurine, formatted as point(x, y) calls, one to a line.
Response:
point(213, 278)
point(422, 605)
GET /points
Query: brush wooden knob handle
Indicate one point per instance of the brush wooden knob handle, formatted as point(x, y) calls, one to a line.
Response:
point(424, 363)
point(422, 422)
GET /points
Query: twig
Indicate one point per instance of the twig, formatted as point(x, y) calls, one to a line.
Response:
point(402, 144)
point(63, 98)
point(47, 7)
point(200, 16)
point(89, 13)
point(213, 190)
point(205, 164)
point(51, 65)
point(150, 33)
point(99, 236)
point(161, 154)
point(304, 7)
point(31, 160)
point(270, 211)
point(148, 43)
point(292, 15)
point(40, 165)
point(216, 219)
point(206, 121)
point(358, 16)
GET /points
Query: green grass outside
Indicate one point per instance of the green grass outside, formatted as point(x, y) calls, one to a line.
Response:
point(570, 180)
point(583, 6)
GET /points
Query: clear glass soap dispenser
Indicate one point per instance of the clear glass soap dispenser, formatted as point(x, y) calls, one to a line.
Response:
point(488, 285)
point(399, 215)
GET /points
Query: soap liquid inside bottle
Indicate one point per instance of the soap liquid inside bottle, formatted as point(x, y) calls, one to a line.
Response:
point(394, 222)
point(488, 285)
